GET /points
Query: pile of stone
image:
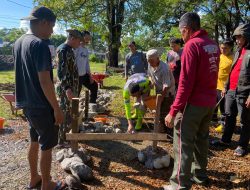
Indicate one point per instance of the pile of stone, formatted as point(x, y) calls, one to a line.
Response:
point(154, 159)
point(76, 164)
point(99, 127)
point(102, 103)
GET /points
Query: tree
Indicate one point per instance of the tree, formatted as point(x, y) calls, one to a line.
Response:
point(10, 36)
point(57, 40)
point(105, 17)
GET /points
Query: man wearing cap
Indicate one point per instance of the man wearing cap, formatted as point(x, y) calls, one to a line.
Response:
point(35, 94)
point(82, 60)
point(67, 73)
point(237, 90)
point(195, 101)
point(136, 62)
point(163, 79)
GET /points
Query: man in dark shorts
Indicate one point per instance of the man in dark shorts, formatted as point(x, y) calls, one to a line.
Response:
point(35, 94)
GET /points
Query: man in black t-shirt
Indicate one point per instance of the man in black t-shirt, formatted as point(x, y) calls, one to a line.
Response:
point(35, 94)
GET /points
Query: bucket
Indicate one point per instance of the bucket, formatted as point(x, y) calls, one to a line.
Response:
point(101, 118)
point(150, 102)
point(1, 122)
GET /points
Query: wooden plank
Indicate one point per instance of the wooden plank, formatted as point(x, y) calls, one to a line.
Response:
point(74, 123)
point(157, 117)
point(116, 136)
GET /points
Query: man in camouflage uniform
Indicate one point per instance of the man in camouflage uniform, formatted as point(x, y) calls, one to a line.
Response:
point(67, 73)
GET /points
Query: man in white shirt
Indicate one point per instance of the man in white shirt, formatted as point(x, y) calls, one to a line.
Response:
point(82, 61)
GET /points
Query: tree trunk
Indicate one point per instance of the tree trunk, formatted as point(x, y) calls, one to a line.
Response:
point(115, 16)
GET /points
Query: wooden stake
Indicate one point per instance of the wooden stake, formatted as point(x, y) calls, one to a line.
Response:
point(86, 111)
point(157, 117)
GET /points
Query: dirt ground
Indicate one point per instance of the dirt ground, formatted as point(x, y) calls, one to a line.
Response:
point(115, 164)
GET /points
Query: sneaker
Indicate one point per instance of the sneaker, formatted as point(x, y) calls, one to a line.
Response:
point(218, 143)
point(219, 129)
point(239, 151)
point(168, 187)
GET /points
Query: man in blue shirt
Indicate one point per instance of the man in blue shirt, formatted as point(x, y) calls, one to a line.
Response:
point(136, 62)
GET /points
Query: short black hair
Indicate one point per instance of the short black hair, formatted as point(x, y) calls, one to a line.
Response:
point(228, 41)
point(132, 42)
point(85, 32)
point(176, 40)
point(192, 20)
point(134, 88)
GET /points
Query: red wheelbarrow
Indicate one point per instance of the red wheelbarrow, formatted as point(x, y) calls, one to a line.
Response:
point(10, 97)
point(98, 77)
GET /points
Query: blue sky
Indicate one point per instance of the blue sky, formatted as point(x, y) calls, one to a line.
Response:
point(11, 11)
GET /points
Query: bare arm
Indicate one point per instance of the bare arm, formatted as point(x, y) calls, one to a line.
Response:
point(49, 91)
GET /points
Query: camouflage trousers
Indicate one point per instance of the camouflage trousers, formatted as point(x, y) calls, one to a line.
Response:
point(66, 108)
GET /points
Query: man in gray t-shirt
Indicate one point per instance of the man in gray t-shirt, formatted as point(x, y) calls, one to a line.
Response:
point(162, 77)
point(136, 62)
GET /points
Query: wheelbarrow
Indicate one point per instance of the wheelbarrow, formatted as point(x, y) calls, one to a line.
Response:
point(10, 97)
point(98, 77)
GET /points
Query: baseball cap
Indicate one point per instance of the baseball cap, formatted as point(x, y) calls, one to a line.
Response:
point(40, 13)
point(75, 33)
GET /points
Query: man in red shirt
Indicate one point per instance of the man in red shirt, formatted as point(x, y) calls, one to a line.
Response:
point(194, 104)
point(237, 91)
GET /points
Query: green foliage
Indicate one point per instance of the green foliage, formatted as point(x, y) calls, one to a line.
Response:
point(94, 58)
point(57, 40)
point(10, 36)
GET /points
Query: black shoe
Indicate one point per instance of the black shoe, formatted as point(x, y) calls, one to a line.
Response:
point(218, 143)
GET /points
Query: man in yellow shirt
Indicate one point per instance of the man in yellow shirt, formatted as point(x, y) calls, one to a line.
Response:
point(226, 60)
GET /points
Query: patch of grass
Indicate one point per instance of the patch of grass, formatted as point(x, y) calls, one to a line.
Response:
point(97, 67)
point(5, 110)
point(7, 76)
point(114, 83)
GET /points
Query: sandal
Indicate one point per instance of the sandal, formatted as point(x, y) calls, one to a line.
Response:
point(38, 184)
point(239, 151)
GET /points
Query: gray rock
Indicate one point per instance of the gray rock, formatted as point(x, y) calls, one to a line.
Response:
point(92, 114)
point(141, 156)
point(109, 130)
point(60, 155)
point(149, 164)
point(73, 182)
point(65, 164)
point(98, 126)
point(83, 155)
point(117, 130)
point(90, 131)
point(81, 171)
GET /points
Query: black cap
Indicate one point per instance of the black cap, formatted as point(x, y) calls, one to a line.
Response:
point(41, 13)
point(75, 33)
